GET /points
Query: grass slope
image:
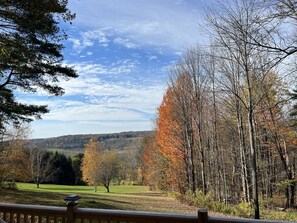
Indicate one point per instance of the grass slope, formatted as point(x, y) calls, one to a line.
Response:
point(121, 197)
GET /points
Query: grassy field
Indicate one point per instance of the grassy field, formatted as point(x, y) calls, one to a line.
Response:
point(120, 197)
point(138, 198)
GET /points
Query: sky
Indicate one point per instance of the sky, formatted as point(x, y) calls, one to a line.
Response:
point(122, 51)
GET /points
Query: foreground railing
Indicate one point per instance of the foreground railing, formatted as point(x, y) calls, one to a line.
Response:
point(19, 213)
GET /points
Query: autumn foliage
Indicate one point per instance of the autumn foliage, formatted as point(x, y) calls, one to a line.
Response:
point(90, 164)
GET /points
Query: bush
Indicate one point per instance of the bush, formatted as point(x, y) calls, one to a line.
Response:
point(10, 185)
point(242, 209)
point(201, 200)
point(219, 207)
point(197, 199)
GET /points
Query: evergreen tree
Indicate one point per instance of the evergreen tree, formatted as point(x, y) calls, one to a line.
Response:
point(76, 165)
point(30, 54)
point(62, 169)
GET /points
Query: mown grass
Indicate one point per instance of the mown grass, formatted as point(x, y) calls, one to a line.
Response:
point(122, 197)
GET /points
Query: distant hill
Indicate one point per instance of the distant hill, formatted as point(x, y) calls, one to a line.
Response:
point(118, 141)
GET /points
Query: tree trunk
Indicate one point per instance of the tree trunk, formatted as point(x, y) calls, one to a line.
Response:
point(292, 193)
point(252, 144)
point(254, 164)
point(107, 187)
point(242, 148)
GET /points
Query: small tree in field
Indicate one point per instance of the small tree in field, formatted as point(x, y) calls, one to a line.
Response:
point(40, 165)
point(99, 167)
point(109, 168)
point(90, 164)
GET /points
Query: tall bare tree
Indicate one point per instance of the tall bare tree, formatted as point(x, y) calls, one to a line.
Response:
point(40, 165)
point(234, 27)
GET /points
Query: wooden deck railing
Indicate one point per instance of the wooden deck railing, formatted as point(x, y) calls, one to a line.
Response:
point(19, 213)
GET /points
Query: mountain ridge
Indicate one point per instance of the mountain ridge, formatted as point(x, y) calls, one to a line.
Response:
point(119, 141)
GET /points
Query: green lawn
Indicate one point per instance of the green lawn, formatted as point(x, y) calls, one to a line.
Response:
point(120, 197)
point(138, 198)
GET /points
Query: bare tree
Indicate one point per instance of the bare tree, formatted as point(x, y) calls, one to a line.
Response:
point(233, 30)
point(40, 165)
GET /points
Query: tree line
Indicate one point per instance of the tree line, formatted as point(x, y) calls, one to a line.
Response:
point(20, 162)
point(98, 165)
point(226, 122)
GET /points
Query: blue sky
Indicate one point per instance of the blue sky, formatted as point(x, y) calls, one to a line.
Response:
point(122, 50)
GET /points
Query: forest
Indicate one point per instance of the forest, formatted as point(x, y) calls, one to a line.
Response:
point(76, 142)
point(95, 165)
point(226, 127)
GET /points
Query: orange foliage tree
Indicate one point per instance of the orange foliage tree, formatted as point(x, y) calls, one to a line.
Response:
point(169, 145)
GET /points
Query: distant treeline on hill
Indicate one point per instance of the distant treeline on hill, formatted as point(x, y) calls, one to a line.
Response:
point(76, 142)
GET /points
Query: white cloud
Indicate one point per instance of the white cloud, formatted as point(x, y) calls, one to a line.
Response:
point(152, 57)
point(116, 94)
point(126, 42)
point(166, 23)
point(89, 39)
point(77, 46)
point(118, 67)
point(91, 112)
point(102, 100)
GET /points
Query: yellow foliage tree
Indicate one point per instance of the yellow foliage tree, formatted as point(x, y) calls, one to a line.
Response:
point(90, 164)
point(14, 158)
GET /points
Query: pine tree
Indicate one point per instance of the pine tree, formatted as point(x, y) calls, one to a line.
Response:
point(30, 54)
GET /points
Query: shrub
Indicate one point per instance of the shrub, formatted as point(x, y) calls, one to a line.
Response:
point(243, 209)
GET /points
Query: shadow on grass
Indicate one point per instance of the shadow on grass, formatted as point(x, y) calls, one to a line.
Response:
point(93, 199)
point(148, 194)
point(54, 199)
point(65, 189)
point(30, 197)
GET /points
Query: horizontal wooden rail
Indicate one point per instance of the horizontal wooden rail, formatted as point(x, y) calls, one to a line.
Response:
point(132, 216)
point(19, 213)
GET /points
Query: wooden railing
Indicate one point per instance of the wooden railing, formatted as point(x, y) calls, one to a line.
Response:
point(19, 213)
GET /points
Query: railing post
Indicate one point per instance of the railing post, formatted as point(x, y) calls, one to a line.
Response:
point(71, 206)
point(202, 216)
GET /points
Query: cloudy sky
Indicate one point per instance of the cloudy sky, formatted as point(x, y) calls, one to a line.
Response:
point(122, 50)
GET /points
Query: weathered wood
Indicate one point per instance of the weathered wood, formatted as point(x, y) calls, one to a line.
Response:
point(25, 218)
point(48, 214)
point(202, 216)
point(11, 219)
point(18, 217)
point(71, 206)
